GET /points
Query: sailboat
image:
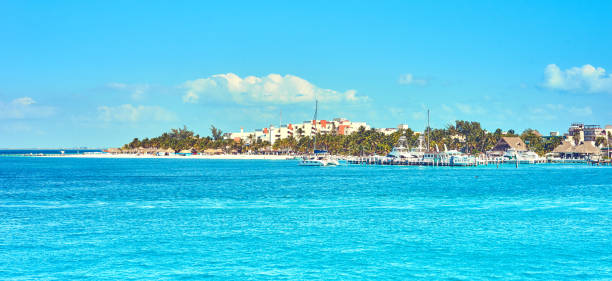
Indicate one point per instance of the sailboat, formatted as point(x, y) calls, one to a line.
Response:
point(319, 157)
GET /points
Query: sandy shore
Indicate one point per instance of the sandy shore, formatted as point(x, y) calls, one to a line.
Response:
point(143, 156)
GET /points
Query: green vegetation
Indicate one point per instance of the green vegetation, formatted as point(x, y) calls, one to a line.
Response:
point(538, 144)
point(465, 136)
point(184, 139)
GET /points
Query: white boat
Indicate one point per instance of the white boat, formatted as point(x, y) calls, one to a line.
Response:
point(401, 151)
point(525, 157)
point(319, 157)
point(456, 158)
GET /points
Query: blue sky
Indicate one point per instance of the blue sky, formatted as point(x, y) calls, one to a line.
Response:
point(97, 74)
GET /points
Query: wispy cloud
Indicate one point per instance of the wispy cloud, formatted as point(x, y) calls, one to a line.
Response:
point(553, 111)
point(137, 91)
point(581, 111)
point(131, 113)
point(24, 108)
point(587, 78)
point(470, 109)
point(397, 112)
point(464, 108)
point(418, 115)
point(273, 88)
point(447, 108)
point(409, 79)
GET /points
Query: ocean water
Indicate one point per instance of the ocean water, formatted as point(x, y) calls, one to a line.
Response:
point(190, 219)
point(11, 152)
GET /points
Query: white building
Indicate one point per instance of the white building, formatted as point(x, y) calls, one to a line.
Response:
point(403, 127)
point(586, 133)
point(386, 131)
point(273, 133)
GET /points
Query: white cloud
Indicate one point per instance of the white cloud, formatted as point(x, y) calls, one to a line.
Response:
point(273, 88)
point(137, 91)
point(581, 111)
point(130, 113)
point(418, 115)
point(397, 113)
point(24, 108)
point(447, 108)
point(409, 79)
point(586, 78)
point(470, 109)
point(553, 111)
point(24, 101)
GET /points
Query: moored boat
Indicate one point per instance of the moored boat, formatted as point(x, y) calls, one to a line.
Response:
point(319, 157)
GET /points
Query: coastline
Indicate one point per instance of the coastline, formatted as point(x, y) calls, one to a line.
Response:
point(148, 156)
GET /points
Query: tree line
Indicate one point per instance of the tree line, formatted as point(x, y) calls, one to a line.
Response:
point(465, 136)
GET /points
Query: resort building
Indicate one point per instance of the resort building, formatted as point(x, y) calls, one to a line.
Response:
point(591, 132)
point(506, 143)
point(386, 131)
point(575, 132)
point(568, 150)
point(340, 126)
point(580, 132)
point(403, 127)
point(551, 135)
point(608, 131)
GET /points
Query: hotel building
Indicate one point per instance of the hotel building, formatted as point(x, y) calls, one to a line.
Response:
point(273, 133)
point(587, 133)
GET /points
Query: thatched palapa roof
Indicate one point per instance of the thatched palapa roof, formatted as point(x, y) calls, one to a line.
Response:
point(506, 143)
point(213, 151)
point(585, 148)
point(564, 147)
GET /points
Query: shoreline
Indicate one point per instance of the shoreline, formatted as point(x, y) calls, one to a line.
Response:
point(360, 161)
point(148, 156)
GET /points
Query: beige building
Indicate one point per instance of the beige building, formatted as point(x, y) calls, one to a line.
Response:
point(579, 132)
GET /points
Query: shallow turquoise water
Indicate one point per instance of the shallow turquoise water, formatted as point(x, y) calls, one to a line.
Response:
point(193, 219)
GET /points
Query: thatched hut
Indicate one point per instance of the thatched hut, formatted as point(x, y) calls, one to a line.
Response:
point(564, 147)
point(567, 150)
point(213, 151)
point(506, 143)
point(587, 148)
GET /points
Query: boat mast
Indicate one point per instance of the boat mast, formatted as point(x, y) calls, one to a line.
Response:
point(428, 129)
point(314, 145)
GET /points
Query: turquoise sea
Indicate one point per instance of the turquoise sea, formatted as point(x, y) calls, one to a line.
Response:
point(117, 219)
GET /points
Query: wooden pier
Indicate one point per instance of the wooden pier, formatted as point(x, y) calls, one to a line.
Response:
point(436, 162)
point(607, 162)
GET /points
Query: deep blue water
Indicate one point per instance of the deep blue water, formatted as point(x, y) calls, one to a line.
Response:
point(63, 218)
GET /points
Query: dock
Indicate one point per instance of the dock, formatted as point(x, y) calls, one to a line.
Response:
point(440, 162)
